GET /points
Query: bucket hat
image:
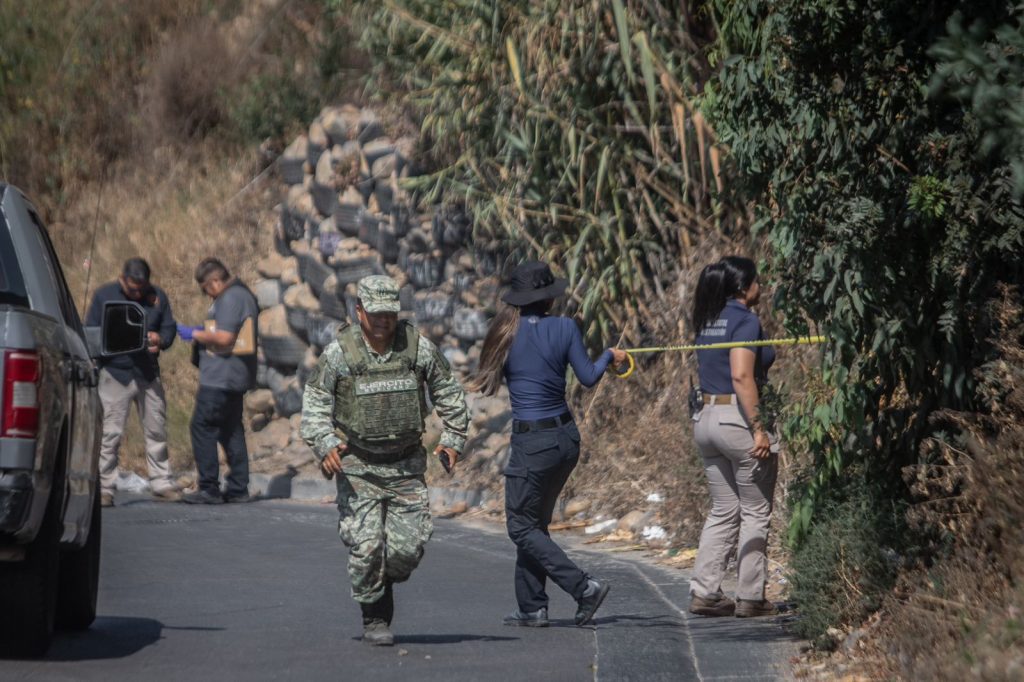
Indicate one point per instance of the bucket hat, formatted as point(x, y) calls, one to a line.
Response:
point(532, 281)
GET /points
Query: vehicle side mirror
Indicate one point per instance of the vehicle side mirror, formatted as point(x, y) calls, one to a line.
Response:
point(123, 330)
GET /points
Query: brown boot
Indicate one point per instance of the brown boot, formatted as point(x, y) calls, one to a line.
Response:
point(716, 605)
point(753, 608)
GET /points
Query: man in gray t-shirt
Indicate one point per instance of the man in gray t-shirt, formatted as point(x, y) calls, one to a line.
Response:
point(226, 351)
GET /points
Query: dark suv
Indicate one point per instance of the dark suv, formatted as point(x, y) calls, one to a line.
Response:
point(50, 430)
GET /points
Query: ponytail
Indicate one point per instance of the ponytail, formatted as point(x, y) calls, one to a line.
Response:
point(717, 284)
point(497, 343)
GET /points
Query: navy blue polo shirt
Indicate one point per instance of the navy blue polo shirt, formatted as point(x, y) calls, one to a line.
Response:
point(159, 318)
point(543, 349)
point(736, 322)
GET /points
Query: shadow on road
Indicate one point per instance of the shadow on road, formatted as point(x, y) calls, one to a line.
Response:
point(448, 639)
point(655, 621)
point(280, 486)
point(739, 629)
point(110, 637)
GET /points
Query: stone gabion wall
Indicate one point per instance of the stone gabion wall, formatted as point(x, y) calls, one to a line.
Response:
point(345, 215)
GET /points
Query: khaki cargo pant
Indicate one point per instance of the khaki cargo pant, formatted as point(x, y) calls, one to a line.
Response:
point(742, 489)
point(149, 399)
point(384, 521)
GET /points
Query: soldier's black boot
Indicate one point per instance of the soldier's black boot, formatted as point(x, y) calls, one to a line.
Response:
point(377, 618)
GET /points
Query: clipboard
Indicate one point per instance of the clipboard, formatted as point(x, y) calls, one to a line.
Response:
point(245, 341)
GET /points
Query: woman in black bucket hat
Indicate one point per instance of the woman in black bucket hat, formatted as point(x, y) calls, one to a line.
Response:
point(530, 350)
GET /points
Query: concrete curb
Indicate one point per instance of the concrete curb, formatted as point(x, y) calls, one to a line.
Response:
point(285, 486)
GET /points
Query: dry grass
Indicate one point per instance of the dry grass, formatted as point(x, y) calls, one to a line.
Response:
point(184, 92)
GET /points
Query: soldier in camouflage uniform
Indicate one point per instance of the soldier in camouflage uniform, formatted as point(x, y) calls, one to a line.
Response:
point(362, 414)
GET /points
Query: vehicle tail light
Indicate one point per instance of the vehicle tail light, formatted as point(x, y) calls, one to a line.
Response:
point(20, 394)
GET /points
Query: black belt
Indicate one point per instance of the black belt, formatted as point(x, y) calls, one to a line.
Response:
point(519, 426)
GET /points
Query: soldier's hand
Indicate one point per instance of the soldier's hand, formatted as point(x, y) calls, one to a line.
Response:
point(453, 456)
point(332, 462)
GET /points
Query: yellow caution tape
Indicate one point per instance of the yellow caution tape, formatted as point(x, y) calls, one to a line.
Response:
point(792, 341)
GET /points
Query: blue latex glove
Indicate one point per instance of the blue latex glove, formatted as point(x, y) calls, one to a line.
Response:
point(185, 332)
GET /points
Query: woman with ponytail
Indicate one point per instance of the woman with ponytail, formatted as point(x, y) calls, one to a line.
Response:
point(530, 350)
point(740, 458)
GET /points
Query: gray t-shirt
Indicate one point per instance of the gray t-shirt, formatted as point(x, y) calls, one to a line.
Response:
point(224, 370)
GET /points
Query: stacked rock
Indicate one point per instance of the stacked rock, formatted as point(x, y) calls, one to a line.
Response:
point(346, 215)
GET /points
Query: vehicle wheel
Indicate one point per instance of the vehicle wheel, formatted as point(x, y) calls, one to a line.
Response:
point(79, 581)
point(28, 588)
point(283, 351)
point(288, 401)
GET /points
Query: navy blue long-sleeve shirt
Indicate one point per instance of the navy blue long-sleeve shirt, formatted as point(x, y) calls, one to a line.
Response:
point(159, 319)
point(535, 370)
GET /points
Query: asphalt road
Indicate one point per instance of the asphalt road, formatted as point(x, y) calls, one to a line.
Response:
point(259, 592)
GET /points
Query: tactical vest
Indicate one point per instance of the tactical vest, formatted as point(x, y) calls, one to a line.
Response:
point(380, 406)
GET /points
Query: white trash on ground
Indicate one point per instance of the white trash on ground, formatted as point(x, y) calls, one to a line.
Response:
point(601, 527)
point(131, 482)
point(654, 533)
point(655, 497)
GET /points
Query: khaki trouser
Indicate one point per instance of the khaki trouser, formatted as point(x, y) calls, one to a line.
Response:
point(117, 399)
point(741, 503)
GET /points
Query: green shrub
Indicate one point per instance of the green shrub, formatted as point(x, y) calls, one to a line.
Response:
point(890, 199)
point(268, 105)
point(848, 560)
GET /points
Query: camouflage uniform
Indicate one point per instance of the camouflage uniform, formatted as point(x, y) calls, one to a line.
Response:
point(382, 497)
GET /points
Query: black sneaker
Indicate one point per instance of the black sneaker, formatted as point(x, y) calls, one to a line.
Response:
point(202, 497)
point(716, 605)
point(591, 600)
point(530, 619)
point(238, 497)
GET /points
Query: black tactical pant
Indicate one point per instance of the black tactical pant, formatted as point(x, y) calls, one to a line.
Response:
point(217, 418)
point(538, 467)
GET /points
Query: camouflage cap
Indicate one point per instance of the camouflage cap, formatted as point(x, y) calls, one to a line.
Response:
point(379, 294)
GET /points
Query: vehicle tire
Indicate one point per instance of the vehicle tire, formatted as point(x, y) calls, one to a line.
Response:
point(277, 381)
point(283, 351)
point(28, 588)
point(384, 190)
point(451, 228)
point(348, 218)
point(325, 199)
point(425, 270)
point(298, 321)
point(469, 324)
point(322, 330)
point(79, 579)
point(432, 306)
point(334, 306)
point(314, 273)
point(354, 269)
point(387, 244)
point(292, 226)
point(369, 229)
point(288, 400)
